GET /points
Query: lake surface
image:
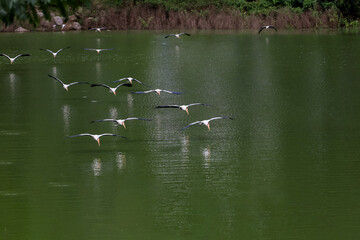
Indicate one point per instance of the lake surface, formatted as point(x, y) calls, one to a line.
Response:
point(286, 167)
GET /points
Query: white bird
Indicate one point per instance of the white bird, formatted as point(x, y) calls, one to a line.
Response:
point(267, 27)
point(158, 91)
point(121, 121)
point(182, 107)
point(98, 29)
point(54, 53)
point(130, 79)
point(98, 50)
point(205, 122)
point(113, 90)
point(66, 86)
point(95, 136)
point(177, 35)
point(13, 59)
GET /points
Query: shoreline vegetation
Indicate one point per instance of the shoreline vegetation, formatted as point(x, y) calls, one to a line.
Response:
point(186, 14)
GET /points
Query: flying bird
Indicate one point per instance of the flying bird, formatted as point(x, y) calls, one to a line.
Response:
point(205, 122)
point(267, 27)
point(66, 86)
point(113, 90)
point(54, 53)
point(130, 79)
point(177, 35)
point(98, 29)
point(98, 50)
point(158, 91)
point(121, 121)
point(182, 107)
point(95, 136)
point(13, 59)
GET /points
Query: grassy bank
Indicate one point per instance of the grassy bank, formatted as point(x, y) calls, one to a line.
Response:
point(209, 14)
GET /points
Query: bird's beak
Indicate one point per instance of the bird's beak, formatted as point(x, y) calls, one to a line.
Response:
point(208, 125)
point(187, 111)
point(124, 124)
point(158, 93)
point(114, 93)
point(98, 141)
point(67, 89)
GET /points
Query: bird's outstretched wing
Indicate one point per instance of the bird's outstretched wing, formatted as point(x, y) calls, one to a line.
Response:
point(172, 92)
point(73, 83)
point(62, 49)
point(187, 34)
point(80, 135)
point(191, 124)
point(168, 106)
point(56, 79)
point(3, 54)
point(124, 84)
point(104, 120)
point(113, 135)
point(262, 28)
point(22, 55)
point(169, 35)
point(47, 50)
point(99, 84)
point(197, 104)
point(142, 92)
point(135, 118)
point(215, 118)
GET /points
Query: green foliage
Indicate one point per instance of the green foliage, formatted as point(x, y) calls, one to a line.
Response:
point(145, 23)
point(27, 9)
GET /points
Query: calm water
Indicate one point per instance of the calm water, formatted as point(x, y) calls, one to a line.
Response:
point(286, 167)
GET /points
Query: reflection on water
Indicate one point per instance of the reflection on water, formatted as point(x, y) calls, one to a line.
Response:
point(206, 154)
point(98, 70)
point(185, 145)
point(66, 113)
point(177, 50)
point(96, 167)
point(12, 77)
point(113, 112)
point(54, 71)
point(286, 166)
point(120, 160)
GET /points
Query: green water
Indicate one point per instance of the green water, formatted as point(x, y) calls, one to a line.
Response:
point(286, 167)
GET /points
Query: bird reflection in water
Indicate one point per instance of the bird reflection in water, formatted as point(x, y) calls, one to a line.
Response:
point(185, 145)
point(130, 100)
point(98, 70)
point(177, 50)
point(120, 160)
point(113, 112)
point(96, 167)
point(12, 77)
point(206, 154)
point(66, 111)
point(54, 71)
